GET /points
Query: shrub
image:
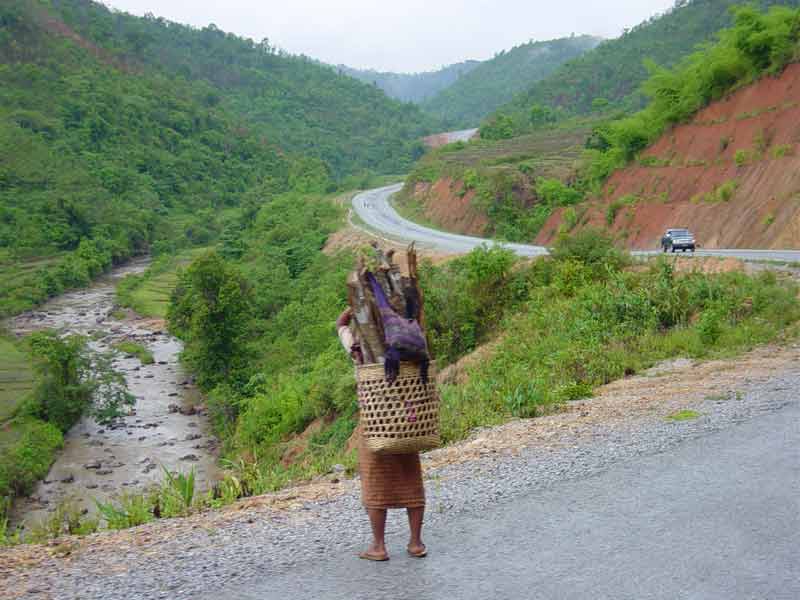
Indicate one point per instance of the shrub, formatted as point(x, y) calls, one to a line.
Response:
point(742, 158)
point(131, 510)
point(29, 459)
point(710, 327)
point(466, 298)
point(782, 150)
point(570, 218)
point(140, 351)
point(591, 247)
point(500, 127)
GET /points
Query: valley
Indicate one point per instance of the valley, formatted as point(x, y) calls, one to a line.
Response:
point(181, 208)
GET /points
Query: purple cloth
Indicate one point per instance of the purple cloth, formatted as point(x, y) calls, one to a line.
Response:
point(403, 337)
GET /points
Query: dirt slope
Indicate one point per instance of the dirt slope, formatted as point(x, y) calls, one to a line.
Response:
point(732, 175)
point(447, 205)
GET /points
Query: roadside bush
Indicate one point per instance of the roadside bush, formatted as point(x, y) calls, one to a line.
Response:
point(568, 339)
point(591, 247)
point(465, 299)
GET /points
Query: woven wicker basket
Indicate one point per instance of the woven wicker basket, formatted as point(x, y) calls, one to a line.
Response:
point(401, 417)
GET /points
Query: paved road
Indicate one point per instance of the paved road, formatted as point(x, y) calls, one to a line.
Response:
point(717, 517)
point(450, 137)
point(374, 209)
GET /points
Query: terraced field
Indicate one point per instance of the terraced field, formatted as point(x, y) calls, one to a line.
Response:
point(150, 296)
point(16, 382)
point(19, 282)
point(553, 144)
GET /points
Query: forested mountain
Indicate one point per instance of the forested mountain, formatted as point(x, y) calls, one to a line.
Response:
point(413, 87)
point(297, 103)
point(612, 73)
point(119, 132)
point(494, 82)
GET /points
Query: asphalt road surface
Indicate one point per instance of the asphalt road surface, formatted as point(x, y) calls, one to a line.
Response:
point(715, 518)
point(374, 209)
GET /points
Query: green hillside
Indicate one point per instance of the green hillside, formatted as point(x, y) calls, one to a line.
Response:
point(298, 104)
point(120, 134)
point(610, 75)
point(413, 87)
point(494, 82)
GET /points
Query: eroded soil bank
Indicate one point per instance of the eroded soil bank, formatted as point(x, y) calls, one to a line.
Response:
point(166, 427)
point(732, 175)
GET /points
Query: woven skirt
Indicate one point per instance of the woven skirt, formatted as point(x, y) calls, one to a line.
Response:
point(389, 480)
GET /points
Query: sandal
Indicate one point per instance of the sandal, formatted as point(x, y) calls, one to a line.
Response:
point(374, 557)
point(421, 554)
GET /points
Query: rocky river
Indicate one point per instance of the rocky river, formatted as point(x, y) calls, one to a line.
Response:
point(166, 428)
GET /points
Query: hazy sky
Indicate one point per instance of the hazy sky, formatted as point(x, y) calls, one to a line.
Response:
point(402, 35)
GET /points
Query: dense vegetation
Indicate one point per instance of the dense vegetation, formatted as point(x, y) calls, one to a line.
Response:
point(294, 102)
point(120, 134)
point(584, 319)
point(413, 87)
point(608, 78)
point(494, 82)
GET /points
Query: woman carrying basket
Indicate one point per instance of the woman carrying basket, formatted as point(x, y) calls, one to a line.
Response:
point(387, 480)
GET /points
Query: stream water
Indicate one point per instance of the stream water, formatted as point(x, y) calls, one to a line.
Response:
point(167, 427)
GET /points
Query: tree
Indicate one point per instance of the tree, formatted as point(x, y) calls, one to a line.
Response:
point(541, 115)
point(73, 380)
point(499, 128)
point(210, 310)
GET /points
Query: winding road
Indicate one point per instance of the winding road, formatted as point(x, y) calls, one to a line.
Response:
point(374, 209)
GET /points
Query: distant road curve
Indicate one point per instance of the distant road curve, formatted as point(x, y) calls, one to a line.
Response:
point(374, 209)
point(450, 137)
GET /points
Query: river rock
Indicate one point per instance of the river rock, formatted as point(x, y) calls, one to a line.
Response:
point(173, 394)
point(149, 467)
point(190, 458)
point(96, 443)
point(68, 479)
point(91, 486)
point(105, 471)
point(95, 464)
point(187, 411)
point(192, 436)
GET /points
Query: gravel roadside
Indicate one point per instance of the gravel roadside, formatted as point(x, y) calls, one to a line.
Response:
point(186, 558)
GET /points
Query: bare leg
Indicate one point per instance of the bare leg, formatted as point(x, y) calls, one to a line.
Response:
point(415, 518)
point(377, 549)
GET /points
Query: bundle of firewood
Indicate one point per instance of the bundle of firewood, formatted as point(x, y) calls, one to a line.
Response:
point(400, 283)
